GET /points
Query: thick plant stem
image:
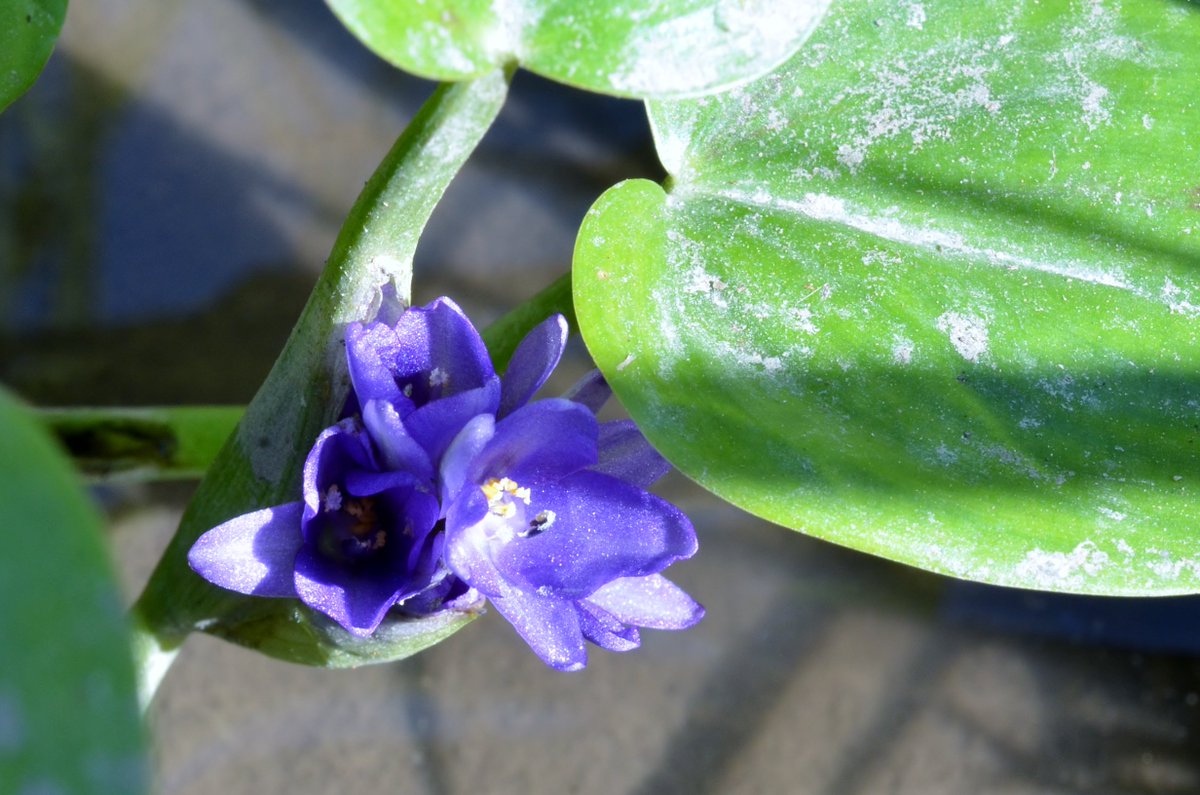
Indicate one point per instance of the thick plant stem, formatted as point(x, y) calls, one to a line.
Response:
point(260, 464)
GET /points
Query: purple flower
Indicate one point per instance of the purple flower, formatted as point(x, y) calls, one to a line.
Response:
point(552, 524)
point(444, 483)
point(360, 541)
point(367, 534)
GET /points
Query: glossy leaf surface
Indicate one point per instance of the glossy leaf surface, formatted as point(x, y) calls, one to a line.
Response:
point(68, 711)
point(634, 48)
point(932, 291)
point(28, 30)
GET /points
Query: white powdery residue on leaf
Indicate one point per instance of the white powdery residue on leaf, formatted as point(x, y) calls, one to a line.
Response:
point(1057, 570)
point(1166, 567)
point(916, 16)
point(851, 157)
point(1178, 300)
point(505, 39)
point(803, 319)
point(902, 350)
point(1124, 548)
point(1028, 423)
point(968, 334)
point(881, 258)
point(1090, 46)
point(702, 48)
point(823, 207)
point(1015, 460)
point(670, 346)
point(1116, 516)
point(945, 456)
point(753, 362)
point(1094, 111)
point(776, 121)
point(660, 58)
point(915, 98)
point(699, 281)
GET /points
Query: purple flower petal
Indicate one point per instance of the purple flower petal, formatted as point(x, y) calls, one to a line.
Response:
point(626, 455)
point(459, 456)
point(436, 424)
point(532, 362)
point(602, 628)
point(470, 528)
point(367, 483)
point(549, 626)
point(542, 441)
point(371, 354)
point(338, 449)
point(591, 391)
point(358, 600)
point(391, 308)
point(652, 601)
point(396, 447)
point(432, 352)
point(422, 511)
point(602, 529)
point(252, 553)
point(439, 337)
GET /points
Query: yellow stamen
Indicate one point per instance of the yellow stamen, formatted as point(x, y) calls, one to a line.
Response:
point(501, 493)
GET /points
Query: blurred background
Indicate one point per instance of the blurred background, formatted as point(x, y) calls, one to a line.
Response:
point(168, 193)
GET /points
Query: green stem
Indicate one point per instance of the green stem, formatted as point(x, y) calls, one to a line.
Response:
point(260, 464)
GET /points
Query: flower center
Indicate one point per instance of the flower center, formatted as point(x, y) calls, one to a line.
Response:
point(502, 496)
point(506, 499)
point(358, 529)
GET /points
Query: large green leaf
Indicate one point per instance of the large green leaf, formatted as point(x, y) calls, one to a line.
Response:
point(932, 291)
point(634, 48)
point(28, 29)
point(68, 712)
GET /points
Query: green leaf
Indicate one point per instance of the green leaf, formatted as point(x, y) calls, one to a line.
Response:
point(261, 463)
point(632, 48)
point(28, 29)
point(159, 443)
point(931, 291)
point(68, 712)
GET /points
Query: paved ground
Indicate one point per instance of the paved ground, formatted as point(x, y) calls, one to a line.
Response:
point(216, 144)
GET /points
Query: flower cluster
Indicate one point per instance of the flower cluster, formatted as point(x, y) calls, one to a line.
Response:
point(444, 485)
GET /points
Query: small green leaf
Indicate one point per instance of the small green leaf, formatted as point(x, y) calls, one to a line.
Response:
point(68, 711)
point(28, 30)
point(152, 443)
point(632, 48)
point(932, 291)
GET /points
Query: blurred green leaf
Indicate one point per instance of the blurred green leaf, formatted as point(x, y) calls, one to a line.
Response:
point(68, 711)
point(28, 30)
point(261, 463)
point(159, 443)
point(931, 291)
point(632, 48)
